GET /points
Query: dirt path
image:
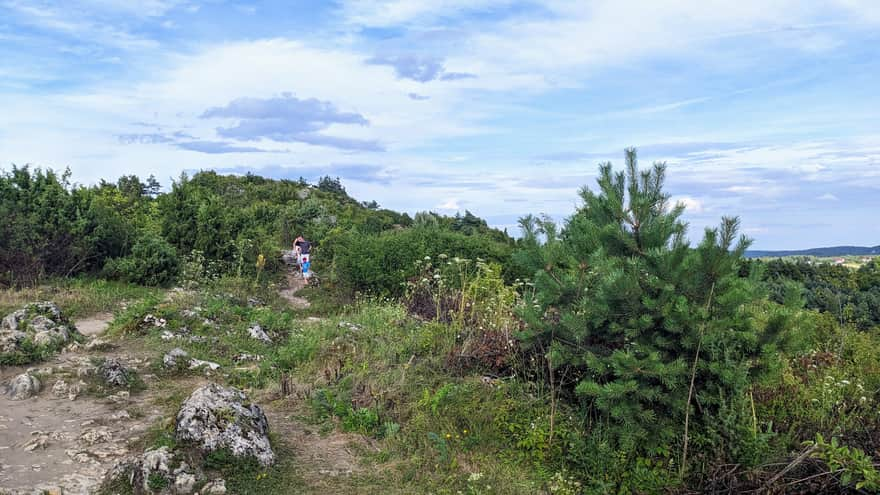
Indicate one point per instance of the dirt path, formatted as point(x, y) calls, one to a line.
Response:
point(323, 460)
point(53, 442)
point(94, 325)
point(295, 282)
point(61, 439)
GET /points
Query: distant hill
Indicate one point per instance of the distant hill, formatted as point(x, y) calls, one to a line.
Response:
point(821, 252)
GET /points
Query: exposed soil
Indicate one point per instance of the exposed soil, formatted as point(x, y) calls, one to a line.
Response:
point(322, 458)
point(94, 325)
point(60, 439)
point(53, 442)
point(295, 282)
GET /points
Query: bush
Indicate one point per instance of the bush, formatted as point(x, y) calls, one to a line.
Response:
point(657, 335)
point(383, 263)
point(153, 261)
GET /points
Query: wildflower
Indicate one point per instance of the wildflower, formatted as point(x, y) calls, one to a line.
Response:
point(448, 435)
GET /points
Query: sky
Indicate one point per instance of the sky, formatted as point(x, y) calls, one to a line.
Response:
point(763, 109)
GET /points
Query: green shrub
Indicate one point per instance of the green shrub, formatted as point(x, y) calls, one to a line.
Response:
point(383, 263)
point(153, 261)
point(645, 324)
point(855, 468)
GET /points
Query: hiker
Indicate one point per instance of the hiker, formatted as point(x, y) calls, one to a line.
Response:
point(302, 248)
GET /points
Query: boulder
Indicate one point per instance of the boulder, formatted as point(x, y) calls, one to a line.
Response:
point(216, 417)
point(23, 386)
point(41, 323)
point(257, 332)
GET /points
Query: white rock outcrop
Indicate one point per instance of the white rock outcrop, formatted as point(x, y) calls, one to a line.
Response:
point(23, 386)
point(216, 417)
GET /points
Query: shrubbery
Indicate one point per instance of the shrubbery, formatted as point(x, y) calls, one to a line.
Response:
point(153, 261)
point(383, 264)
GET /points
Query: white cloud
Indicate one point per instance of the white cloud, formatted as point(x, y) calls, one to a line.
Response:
point(449, 204)
point(828, 197)
point(385, 13)
point(691, 204)
point(74, 21)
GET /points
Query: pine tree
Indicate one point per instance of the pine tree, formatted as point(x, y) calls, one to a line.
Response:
point(649, 327)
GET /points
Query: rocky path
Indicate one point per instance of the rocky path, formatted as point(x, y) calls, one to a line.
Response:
point(61, 440)
point(295, 282)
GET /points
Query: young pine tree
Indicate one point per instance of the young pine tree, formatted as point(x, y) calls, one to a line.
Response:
point(655, 332)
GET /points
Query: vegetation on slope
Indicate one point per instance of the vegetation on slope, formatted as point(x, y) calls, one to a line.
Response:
point(606, 355)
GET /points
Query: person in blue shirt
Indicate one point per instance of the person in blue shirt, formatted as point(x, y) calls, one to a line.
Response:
point(303, 248)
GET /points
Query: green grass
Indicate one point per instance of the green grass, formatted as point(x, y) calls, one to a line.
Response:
point(389, 380)
point(77, 297)
point(436, 429)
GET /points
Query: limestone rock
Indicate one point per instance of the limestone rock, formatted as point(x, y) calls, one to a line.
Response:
point(184, 483)
point(24, 386)
point(257, 332)
point(96, 435)
point(354, 327)
point(175, 358)
point(216, 487)
point(198, 363)
point(98, 344)
point(152, 320)
point(60, 389)
point(114, 373)
point(216, 417)
point(41, 323)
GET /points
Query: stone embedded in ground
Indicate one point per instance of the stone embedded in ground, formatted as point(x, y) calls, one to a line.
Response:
point(175, 358)
point(247, 357)
point(23, 386)
point(151, 320)
point(93, 436)
point(350, 326)
point(184, 483)
point(198, 363)
point(114, 373)
point(190, 313)
point(140, 471)
point(97, 344)
point(41, 323)
point(60, 389)
point(120, 397)
point(39, 440)
point(216, 417)
point(216, 487)
point(257, 332)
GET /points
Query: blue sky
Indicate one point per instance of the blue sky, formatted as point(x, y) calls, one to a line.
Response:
point(766, 110)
